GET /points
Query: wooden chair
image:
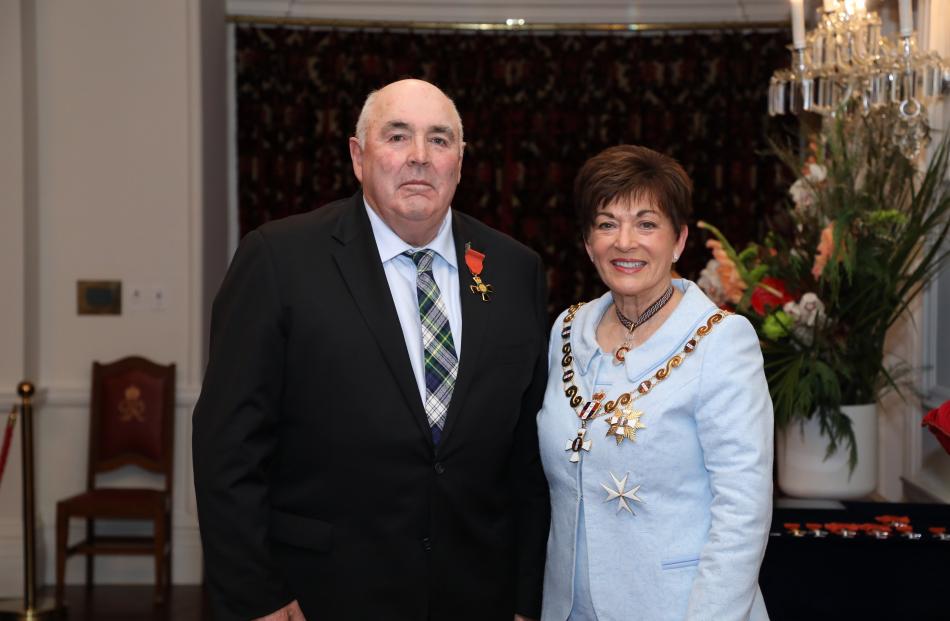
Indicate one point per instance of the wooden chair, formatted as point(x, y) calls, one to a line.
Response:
point(131, 423)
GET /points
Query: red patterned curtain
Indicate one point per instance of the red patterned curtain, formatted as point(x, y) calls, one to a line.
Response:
point(534, 106)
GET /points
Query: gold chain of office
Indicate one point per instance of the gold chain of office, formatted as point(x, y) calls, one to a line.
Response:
point(627, 427)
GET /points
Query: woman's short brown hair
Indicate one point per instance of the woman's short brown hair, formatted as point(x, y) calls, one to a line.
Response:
point(629, 172)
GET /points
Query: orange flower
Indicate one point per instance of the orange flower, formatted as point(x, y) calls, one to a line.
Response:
point(732, 283)
point(825, 248)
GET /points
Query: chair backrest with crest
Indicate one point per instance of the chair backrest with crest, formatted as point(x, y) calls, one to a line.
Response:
point(132, 420)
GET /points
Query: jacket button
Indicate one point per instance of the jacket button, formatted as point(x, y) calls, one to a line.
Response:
point(426, 544)
point(439, 468)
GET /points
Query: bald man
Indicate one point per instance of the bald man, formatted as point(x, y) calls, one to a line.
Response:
point(365, 443)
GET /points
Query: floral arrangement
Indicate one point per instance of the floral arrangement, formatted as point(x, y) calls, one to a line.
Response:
point(863, 236)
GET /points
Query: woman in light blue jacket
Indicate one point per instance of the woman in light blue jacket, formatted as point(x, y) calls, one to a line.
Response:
point(656, 428)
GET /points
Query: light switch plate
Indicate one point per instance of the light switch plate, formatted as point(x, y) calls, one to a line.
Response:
point(157, 298)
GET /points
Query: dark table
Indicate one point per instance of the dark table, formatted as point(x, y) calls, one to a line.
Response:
point(811, 579)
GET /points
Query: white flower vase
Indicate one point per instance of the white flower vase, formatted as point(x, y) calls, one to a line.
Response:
point(803, 470)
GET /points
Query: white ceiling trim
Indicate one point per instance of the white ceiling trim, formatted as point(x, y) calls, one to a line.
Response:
point(532, 11)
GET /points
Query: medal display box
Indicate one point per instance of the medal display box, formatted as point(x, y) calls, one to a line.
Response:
point(857, 560)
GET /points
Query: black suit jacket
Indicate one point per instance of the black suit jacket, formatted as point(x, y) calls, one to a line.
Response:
point(315, 470)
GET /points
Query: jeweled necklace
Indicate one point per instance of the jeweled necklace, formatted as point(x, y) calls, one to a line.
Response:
point(623, 425)
point(621, 352)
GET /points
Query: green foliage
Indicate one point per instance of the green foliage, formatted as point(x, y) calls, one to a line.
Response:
point(887, 222)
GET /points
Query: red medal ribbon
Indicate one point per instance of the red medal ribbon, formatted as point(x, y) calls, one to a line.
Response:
point(475, 260)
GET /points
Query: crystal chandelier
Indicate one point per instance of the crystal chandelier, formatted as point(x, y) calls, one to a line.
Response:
point(845, 65)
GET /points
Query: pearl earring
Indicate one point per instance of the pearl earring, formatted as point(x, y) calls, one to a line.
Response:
point(676, 258)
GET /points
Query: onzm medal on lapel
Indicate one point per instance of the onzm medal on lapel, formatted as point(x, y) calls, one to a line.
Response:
point(475, 261)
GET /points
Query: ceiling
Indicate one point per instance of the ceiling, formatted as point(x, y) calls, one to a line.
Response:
point(536, 11)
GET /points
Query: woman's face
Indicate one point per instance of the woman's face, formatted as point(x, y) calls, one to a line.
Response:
point(632, 244)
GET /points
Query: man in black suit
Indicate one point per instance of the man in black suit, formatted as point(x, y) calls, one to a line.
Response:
point(365, 443)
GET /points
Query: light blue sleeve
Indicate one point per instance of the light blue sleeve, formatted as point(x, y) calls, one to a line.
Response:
point(734, 422)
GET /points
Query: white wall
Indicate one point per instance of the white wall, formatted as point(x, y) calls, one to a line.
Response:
point(13, 195)
point(123, 167)
point(114, 169)
point(13, 274)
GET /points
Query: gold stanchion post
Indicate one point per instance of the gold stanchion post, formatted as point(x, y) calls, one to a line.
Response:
point(31, 607)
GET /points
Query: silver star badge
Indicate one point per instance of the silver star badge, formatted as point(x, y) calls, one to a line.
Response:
point(621, 493)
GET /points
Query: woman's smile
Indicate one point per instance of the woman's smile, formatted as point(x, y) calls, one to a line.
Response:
point(628, 266)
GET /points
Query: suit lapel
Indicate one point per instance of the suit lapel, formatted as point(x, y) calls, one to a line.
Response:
point(475, 316)
point(357, 258)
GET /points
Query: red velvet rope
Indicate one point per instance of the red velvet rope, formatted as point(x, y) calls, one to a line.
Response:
point(7, 440)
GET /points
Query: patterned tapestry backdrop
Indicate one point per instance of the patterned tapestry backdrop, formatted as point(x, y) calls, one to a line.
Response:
point(534, 107)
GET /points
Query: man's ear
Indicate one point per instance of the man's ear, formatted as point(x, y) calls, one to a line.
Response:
point(458, 175)
point(356, 154)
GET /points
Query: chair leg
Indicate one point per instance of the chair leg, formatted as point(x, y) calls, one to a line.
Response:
point(62, 541)
point(90, 558)
point(168, 557)
point(159, 559)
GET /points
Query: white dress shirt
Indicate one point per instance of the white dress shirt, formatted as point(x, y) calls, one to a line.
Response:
point(401, 274)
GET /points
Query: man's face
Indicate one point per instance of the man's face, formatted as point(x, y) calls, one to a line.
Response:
point(411, 161)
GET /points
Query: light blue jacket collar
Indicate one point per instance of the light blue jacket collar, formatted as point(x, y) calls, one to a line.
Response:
point(693, 309)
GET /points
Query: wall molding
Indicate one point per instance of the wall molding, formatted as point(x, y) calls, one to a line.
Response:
point(68, 395)
point(553, 11)
point(8, 397)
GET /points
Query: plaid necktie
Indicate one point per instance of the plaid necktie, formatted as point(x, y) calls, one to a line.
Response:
point(441, 361)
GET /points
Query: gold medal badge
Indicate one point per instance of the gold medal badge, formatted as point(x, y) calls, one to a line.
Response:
point(475, 261)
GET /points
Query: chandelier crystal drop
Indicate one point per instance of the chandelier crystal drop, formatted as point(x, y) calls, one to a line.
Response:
point(845, 64)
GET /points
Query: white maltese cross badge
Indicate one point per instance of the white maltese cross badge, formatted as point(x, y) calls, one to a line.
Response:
point(621, 494)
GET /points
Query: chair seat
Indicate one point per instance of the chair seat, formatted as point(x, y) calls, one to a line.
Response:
point(130, 503)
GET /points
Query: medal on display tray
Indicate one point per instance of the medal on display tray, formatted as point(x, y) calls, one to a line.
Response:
point(883, 527)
